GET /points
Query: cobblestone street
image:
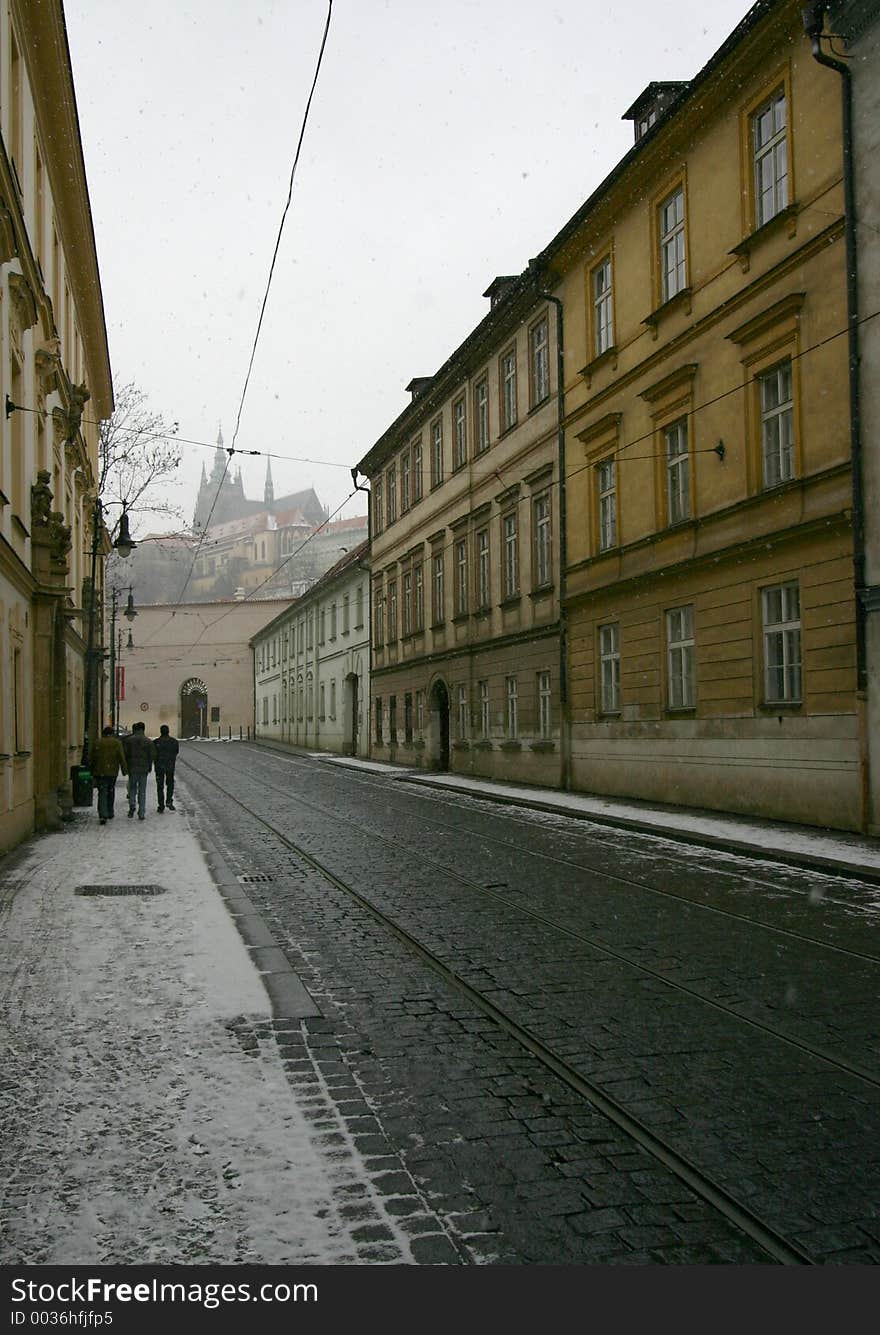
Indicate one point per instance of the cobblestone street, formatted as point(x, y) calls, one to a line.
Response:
point(475, 1034)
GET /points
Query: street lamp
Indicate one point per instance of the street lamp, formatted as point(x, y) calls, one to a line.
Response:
point(115, 657)
point(123, 544)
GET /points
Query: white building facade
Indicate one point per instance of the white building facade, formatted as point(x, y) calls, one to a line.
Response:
point(312, 664)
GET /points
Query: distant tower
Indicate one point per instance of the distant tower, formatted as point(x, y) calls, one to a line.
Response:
point(269, 491)
point(219, 462)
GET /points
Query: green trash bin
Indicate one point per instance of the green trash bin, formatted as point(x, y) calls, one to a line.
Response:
point(82, 784)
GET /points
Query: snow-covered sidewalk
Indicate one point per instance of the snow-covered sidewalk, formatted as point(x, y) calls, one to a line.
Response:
point(148, 1109)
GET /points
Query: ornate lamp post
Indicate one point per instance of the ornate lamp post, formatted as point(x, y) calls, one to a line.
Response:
point(123, 544)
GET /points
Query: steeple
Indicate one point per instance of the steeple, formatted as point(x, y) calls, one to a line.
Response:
point(269, 490)
point(219, 461)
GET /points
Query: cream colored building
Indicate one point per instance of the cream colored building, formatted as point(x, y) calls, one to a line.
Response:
point(192, 667)
point(312, 664)
point(466, 670)
point(54, 368)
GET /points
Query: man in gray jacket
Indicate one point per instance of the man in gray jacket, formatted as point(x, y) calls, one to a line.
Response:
point(140, 755)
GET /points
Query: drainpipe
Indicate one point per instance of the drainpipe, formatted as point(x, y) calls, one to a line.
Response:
point(564, 721)
point(814, 21)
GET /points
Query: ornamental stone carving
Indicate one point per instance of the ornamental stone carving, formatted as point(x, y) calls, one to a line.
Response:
point(24, 305)
point(41, 500)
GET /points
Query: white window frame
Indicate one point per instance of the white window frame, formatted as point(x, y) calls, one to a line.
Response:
point(508, 389)
point(603, 309)
point(461, 577)
point(436, 453)
point(511, 688)
point(484, 589)
point(673, 259)
point(776, 396)
point(544, 703)
point(481, 415)
point(459, 433)
point(609, 664)
point(463, 721)
point(485, 716)
point(680, 658)
point(541, 516)
point(606, 495)
point(511, 554)
point(539, 343)
point(770, 157)
point(678, 471)
point(781, 626)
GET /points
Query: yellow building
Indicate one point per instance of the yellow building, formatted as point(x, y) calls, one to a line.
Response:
point(466, 671)
point(53, 365)
point(709, 578)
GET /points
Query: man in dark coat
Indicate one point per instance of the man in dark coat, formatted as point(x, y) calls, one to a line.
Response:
point(106, 759)
point(140, 754)
point(166, 754)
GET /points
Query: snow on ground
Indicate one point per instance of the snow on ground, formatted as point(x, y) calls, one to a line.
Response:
point(136, 1127)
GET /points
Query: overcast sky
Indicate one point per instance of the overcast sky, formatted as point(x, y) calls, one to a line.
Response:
point(448, 141)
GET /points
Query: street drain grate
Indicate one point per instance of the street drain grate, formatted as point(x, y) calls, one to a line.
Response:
point(119, 890)
point(258, 878)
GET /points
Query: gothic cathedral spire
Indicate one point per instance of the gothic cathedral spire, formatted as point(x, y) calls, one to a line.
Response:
point(269, 490)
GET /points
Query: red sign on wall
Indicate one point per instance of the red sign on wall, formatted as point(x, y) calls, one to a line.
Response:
point(120, 682)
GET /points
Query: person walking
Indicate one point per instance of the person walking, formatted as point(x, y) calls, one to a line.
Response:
point(167, 748)
point(107, 758)
point(140, 755)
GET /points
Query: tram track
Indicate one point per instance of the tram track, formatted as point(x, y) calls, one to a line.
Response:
point(703, 1184)
point(631, 882)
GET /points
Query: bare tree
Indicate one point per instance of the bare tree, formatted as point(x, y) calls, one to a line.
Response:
point(138, 453)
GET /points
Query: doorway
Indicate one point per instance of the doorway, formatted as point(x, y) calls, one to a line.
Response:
point(194, 708)
point(438, 703)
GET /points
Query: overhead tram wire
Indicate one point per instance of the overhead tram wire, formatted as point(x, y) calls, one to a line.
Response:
point(230, 451)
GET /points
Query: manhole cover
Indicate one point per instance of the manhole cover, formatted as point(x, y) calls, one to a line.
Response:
point(253, 880)
point(119, 890)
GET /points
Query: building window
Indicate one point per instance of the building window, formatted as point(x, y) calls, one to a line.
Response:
point(483, 587)
point(310, 695)
point(392, 720)
point(321, 713)
point(420, 711)
point(680, 658)
point(777, 424)
point(511, 555)
point(407, 603)
point(461, 577)
point(418, 597)
point(333, 698)
point(379, 619)
point(678, 472)
point(310, 630)
point(512, 708)
point(770, 148)
point(436, 453)
point(408, 718)
point(609, 664)
point(540, 361)
point(346, 613)
point(485, 719)
point(437, 609)
point(508, 389)
point(544, 705)
point(359, 608)
point(391, 494)
point(404, 481)
point(603, 316)
point(378, 519)
point(481, 415)
point(378, 725)
point(673, 269)
point(782, 643)
point(541, 519)
point(459, 434)
point(322, 624)
point(417, 471)
point(462, 712)
point(18, 700)
point(332, 621)
point(392, 610)
point(606, 489)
